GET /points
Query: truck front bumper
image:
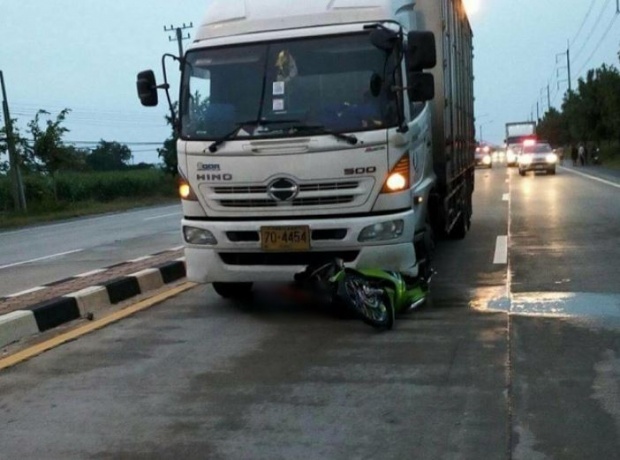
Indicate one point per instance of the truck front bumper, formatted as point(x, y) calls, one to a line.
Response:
point(238, 257)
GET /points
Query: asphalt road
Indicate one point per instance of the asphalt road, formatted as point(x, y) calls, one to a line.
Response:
point(517, 357)
point(39, 255)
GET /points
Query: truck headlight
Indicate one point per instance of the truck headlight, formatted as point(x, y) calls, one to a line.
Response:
point(399, 178)
point(382, 232)
point(487, 160)
point(552, 158)
point(199, 236)
point(185, 190)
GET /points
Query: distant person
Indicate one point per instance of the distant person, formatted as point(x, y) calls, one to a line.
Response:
point(582, 154)
point(574, 154)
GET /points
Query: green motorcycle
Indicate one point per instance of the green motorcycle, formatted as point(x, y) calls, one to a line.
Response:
point(375, 296)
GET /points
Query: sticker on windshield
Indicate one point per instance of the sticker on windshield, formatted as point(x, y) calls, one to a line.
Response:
point(278, 105)
point(279, 88)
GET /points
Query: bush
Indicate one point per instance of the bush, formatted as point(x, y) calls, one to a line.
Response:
point(88, 186)
point(108, 186)
point(6, 200)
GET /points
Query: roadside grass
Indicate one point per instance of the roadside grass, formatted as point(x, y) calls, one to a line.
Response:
point(40, 214)
point(610, 154)
point(612, 162)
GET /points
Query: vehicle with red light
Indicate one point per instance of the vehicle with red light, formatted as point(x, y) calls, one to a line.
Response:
point(516, 134)
point(537, 157)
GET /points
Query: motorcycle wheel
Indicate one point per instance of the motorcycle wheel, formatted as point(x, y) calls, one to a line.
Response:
point(372, 304)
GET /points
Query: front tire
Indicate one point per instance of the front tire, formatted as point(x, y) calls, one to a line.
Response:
point(521, 173)
point(233, 290)
point(551, 171)
point(371, 304)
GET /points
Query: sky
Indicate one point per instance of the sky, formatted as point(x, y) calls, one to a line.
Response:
point(85, 54)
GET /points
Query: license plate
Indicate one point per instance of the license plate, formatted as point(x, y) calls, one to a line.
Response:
point(295, 238)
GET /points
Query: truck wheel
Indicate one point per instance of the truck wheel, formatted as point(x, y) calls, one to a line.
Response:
point(551, 171)
point(521, 173)
point(459, 230)
point(233, 290)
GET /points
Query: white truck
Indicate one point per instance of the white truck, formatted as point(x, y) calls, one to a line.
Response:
point(323, 129)
point(516, 134)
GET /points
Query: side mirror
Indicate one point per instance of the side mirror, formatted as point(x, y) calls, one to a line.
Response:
point(383, 38)
point(147, 88)
point(421, 51)
point(421, 87)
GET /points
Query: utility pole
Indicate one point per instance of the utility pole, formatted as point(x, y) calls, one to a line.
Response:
point(570, 78)
point(549, 93)
point(179, 35)
point(567, 55)
point(16, 176)
point(617, 6)
point(537, 111)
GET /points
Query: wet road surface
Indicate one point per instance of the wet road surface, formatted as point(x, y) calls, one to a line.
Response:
point(516, 358)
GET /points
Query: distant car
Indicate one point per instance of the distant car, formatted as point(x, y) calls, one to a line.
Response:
point(512, 154)
point(537, 157)
point(484, 157)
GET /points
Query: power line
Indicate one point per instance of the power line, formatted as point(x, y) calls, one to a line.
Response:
point(600, 42)
point(594, 28)
point(583, 23)
point(120, 142)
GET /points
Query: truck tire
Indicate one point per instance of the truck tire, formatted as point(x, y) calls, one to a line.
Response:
point(233, 290)
point(459, 231)
point(551, 171)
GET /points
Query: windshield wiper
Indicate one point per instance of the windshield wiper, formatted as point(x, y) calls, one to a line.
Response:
point(320, 129)
point(239, 126)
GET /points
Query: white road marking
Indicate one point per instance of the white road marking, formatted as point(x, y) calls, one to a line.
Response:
point(39, 259)
point(140, 259)
point(501, 251)
point(163, 216)
point(588, 176)
point(27, 291)
point(91, 273)
point(506, 197)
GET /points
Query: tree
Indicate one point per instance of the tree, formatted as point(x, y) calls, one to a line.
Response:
point(48, 148)
point(22, 147)
point(48, 152)
point(109, 156)
point(553, 128)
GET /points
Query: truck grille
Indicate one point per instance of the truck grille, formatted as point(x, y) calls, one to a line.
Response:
point(310, 195)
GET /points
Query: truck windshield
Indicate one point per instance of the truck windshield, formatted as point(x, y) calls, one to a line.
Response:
point(277, 89)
